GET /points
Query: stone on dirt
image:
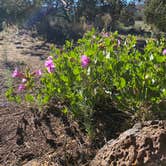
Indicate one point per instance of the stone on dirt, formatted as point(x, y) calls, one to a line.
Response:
point(144, 144)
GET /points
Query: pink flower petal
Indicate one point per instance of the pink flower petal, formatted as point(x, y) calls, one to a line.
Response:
point(49, 65)
point(85, 61)
point(164, 51)
point(15, 73)
point(38, 72)
point(21, 87)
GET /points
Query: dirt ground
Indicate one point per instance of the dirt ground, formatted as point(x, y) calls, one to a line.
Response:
point(26, 134)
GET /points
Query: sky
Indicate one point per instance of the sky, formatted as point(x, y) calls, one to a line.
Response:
point(128, 1)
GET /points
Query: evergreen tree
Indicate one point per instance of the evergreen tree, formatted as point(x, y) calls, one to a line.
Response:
point(155, 13)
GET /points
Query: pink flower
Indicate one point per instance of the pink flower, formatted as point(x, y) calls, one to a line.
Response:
point(85, 61)
point(16, 73)
point(49, 64)
point(21, 87)
point(38, 72)
point(164, 51)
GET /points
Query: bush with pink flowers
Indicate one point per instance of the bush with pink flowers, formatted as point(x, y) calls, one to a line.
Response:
point(102, 67)
point(27, 83)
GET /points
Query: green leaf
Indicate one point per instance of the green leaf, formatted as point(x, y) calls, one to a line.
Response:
point(64, 78)
point(76, 71)
point(160, 59)
point(29, 98)
point(122, 82)
point(65, 110)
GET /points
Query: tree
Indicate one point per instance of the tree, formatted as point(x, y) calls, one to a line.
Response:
point(86, 9)
point(14, 10)
point(68, 16)
point(128, 14)
point(102, 11)
point(155, 13)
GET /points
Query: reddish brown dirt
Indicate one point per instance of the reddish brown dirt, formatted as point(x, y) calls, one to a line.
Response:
point(26, 134)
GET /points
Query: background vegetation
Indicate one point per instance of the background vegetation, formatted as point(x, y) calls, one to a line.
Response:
point(58, 20)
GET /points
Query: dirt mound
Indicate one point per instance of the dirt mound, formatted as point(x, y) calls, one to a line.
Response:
point(144, 144)
point(27, 134)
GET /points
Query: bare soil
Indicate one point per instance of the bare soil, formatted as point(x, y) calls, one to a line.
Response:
point(26, 134)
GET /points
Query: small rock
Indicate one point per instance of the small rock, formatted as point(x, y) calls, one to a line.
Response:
point(17, 42)
point(19, 47)
point(33, 163)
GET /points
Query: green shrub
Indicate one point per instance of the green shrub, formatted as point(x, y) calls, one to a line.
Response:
point(111, 68)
